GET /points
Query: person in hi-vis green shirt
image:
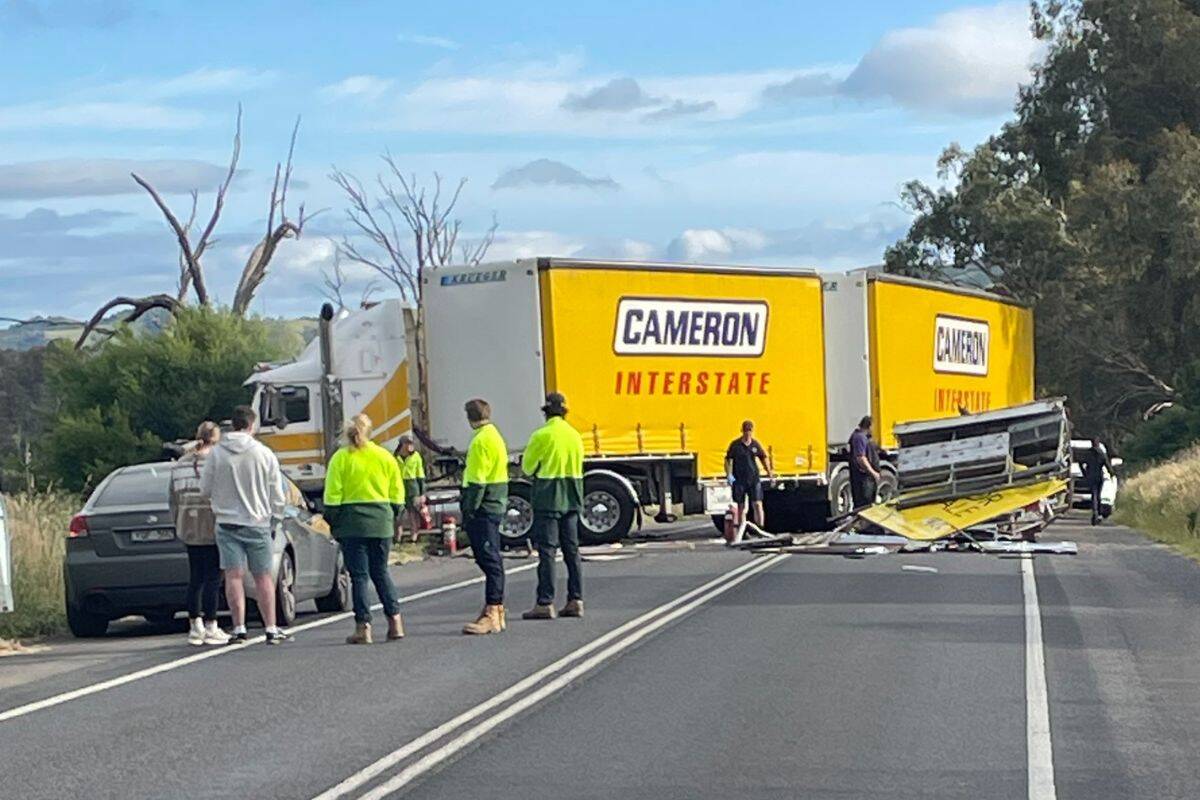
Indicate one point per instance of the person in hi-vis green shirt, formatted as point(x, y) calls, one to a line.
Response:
point(363, 496)
point(553, 458)
point(484, 500)
point(412, 472)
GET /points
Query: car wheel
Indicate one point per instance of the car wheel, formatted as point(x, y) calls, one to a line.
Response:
point(607, 511)
point(518, 517)
point(166, 622)
point(338, 598)
point(84, 625)
point(285, 592)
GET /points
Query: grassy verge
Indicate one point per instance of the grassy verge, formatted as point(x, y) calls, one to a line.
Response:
point(1164, 501)
point(37, 524)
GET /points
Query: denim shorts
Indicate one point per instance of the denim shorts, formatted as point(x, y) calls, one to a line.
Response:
point(244, 547)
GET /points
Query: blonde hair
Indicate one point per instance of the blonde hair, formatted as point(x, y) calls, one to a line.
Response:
point(358, 432)
point(209, 433)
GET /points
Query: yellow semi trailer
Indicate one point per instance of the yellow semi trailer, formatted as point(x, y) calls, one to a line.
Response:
point(660, 364)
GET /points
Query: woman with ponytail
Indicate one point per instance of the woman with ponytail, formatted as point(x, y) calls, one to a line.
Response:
point(363, 496)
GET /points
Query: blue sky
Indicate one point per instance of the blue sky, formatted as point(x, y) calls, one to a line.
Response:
point(748, 132)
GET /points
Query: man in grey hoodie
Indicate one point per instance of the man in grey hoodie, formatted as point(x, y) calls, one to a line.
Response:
point(243, 481)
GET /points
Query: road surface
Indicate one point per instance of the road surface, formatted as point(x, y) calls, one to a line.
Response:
point(697, 673)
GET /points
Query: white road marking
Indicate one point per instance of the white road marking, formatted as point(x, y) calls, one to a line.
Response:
point(1038, 745)
point(217, 651)
point(651, 620)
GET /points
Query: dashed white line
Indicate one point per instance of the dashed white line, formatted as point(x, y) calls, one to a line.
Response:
point(112, 683)
point(1038, 745)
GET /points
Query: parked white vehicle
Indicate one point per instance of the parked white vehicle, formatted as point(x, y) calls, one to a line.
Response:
point(6, 594)
point(1082, 494)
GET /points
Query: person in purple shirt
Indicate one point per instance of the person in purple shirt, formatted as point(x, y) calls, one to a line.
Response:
point(864, 475)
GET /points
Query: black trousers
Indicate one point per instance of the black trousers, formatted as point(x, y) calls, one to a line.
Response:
point(204, 581)
point(367, 562)
point(484, 533)
point(862, 489)
point(550, 533)
point(1096, 515)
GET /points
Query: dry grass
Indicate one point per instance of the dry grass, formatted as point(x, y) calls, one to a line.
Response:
point(1164, 501)
point(38, 525)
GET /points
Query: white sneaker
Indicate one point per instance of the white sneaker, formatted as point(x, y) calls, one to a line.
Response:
point(196, 633)
point(214, 635)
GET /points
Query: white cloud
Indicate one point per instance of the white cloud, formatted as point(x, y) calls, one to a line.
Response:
point(206, 80)
point(109, 116)
point(96, 177)
point(366, 87)
point(428, 41)
point(968, 61)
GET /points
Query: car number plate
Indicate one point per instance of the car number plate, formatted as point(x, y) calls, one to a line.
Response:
point(157, 535)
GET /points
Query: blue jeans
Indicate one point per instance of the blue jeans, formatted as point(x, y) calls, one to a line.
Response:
point(367, 562)
point(484, 533)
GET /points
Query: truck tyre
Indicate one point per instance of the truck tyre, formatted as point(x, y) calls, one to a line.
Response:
point(607, 510)
point(84, 625)
point(888, 485)
point(517, 524)
point(841, 499)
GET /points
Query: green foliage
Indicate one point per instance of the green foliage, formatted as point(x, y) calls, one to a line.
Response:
point(118, 403)
point(37, 524)
point(21, 420)
point(1087, 205)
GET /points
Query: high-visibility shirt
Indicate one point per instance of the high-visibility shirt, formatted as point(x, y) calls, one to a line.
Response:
point(363, 492)
point(554, 459)
point(485, 479)
point(412, 472)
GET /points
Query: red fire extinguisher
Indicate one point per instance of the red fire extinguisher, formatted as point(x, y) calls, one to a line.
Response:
point(730, 525)
point(450, 535)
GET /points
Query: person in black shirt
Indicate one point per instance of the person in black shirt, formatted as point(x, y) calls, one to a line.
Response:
point(741, 467)
point(864, 465)
point(1095, 462)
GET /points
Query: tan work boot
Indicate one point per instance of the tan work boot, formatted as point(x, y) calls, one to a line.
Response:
point(540, 612)
point(503, 618)
point(361, 635)
point(395, 628)
point(490, 621)
point(573, 608)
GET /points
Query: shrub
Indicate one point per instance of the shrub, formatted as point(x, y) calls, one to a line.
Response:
point(1164, 501)
point(38, 524)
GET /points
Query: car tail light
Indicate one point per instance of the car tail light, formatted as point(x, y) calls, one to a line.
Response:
point(79, 527)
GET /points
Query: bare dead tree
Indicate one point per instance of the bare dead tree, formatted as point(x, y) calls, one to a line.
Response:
point(368, 292)
point(409, 228)
point(255, 271)
point(139, 306)
point(333, 286)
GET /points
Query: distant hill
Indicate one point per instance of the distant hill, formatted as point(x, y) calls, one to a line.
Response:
point(40, 331)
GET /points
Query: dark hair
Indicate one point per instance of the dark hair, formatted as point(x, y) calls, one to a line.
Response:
point(865, 422)
point(747, 425)
point(478, 410)
point(243, 418)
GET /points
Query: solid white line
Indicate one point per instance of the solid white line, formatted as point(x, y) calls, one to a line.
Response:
point(1038, 745)
point(368, 773)
point(225, 650)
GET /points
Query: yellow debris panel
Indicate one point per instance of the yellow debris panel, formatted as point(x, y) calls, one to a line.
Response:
point(932, 521)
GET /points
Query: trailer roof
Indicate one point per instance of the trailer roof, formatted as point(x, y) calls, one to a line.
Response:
point(546, 263)
point(877, 273)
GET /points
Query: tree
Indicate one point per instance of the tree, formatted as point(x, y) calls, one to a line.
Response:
point(1086, 206)
point(191, 269)
point(118, 404)
point(405, 211)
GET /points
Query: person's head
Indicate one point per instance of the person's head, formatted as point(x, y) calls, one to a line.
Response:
point(478, 412)
point(358, 431)
point(243, 419)
point(208, 434)
point(864, 424)
point(555, 405)
point(748, 430)
point(406, 446)
point(1095, 443)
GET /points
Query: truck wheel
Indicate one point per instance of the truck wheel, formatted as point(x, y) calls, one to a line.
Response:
point(888, 485)
point(607, 510)
point(841, 498)
point(518, 517)
point(84, 625)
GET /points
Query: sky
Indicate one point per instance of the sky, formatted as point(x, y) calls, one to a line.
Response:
point(747, 132)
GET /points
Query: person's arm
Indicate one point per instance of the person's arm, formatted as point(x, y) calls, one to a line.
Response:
point(278, 498)
point(766, 462)
point(729, 464)
point(395, 486)
point(532, 457)
point(472, 491)
point(858, 452)
point(333, 489)
point(173, 496)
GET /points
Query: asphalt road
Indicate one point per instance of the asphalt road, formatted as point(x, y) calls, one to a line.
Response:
point(697, 673)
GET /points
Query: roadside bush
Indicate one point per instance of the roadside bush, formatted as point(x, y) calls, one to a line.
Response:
point(1164, 501)
point(38, 524)
point(116, 404)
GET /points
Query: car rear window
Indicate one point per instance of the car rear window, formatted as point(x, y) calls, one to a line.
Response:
point(145, 486)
